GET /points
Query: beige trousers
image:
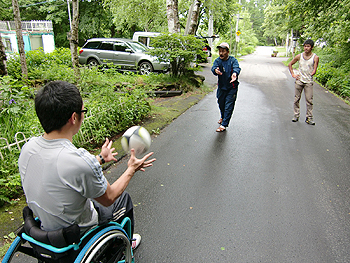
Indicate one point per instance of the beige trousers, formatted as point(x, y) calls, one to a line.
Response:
point(309, 94)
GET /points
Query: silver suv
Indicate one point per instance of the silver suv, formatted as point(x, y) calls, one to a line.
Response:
point(125, 53)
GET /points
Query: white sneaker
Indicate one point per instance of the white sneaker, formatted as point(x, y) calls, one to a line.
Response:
point(136, 240)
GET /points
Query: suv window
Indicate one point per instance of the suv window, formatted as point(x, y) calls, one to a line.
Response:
point(106, 46)
point(92, 44)
point(119, 46)
point(143, 40)
point(138, 46)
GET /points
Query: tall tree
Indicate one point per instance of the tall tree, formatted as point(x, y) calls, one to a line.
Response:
point(20, 41)
point(193, 17)
point(73, 39)
point(276, 22)
point(223, 13)
point(173, 16)
point(3, 70)
point(256, 9)
point(138, 15)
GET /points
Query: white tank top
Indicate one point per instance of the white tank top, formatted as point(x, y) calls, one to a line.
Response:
point(305, 68)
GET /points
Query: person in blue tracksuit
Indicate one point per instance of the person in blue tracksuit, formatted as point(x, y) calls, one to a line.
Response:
point(227, 69)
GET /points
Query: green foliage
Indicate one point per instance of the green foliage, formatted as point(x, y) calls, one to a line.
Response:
point(180, 50)
point(223, 12)
point(247, 50)
point(333, 71)
point(256, 11)
point(248, 40)
point(40, 64)
point(111, 114)
point(325, 72)
point(15, 115)
point(142, 15)
point(335, 79)
point(14, 103)
point(275, 22)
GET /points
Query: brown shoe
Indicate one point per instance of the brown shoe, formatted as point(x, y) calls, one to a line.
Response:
point(220, 121)
point(221, 129)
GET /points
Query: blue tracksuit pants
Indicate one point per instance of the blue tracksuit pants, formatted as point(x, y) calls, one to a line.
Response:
point(226, 100)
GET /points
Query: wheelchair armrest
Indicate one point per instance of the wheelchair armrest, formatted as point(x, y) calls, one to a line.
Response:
point(58, 238)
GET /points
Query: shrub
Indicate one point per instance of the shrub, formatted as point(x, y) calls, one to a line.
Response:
point(111, 114)
point(39, 62)
point(325, 72)
point(247, 50)
point(16, 115)
point(180, 50)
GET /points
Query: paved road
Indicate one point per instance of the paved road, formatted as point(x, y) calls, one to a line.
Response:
point(266, 190)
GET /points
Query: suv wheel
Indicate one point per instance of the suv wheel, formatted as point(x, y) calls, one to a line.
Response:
point(145, 68)
point(92, 63)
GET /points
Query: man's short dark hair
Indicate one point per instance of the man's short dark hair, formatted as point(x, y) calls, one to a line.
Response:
point(55, 104)
point(309, 42)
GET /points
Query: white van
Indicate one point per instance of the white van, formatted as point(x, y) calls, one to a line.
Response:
point(144, 37)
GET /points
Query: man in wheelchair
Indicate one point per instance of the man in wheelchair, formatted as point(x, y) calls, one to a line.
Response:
point(65, 185)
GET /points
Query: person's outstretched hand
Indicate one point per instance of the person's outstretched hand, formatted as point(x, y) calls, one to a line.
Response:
point(233, 77)
point(140, 164)
point(107, 152)
point(218, 72)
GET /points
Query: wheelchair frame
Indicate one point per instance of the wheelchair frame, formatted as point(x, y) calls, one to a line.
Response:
point(98, 237)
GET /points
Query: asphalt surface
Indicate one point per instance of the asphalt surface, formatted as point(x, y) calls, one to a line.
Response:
point(265, 190)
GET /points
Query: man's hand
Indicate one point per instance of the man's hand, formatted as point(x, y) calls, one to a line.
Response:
point(107, 153)
point(296, 76)
point(139, 164)
point(217, 71)
point(233, 77)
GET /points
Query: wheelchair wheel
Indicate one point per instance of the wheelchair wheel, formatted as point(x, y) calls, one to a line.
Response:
point(12, 250)
point(108, 246)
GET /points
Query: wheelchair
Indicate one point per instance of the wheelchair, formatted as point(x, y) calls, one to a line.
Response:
point(109, 243)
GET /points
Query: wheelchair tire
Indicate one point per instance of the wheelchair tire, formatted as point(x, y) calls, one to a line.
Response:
point(95, 249)
point(12, 250)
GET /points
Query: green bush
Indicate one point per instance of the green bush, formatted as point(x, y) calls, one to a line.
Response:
point(39, 62)
point(325, 72)
point(247, 50)
point(334, 78)
point(181, 51)
point(111, 114)
point(340, 84)
point(16, 114)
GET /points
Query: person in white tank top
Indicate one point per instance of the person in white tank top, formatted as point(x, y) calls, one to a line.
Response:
point(308, 63)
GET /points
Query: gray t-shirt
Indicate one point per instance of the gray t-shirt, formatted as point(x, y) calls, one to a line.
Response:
point(59, 182)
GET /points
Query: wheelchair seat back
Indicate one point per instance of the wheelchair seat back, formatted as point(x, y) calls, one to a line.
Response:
point(105, 243)
point(61, 238)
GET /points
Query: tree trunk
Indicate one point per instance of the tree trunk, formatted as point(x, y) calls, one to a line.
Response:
point(192, 18)
point(3, 70)
point(173, 16)
point(20, 41)
point(73, 38)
